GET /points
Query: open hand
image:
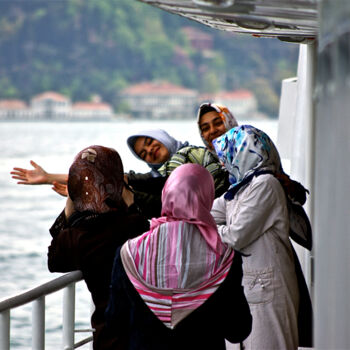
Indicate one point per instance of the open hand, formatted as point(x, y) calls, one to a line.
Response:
point(37, 176)
point(60, 188)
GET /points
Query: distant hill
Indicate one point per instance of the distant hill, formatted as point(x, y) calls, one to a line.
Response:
point(86, 47)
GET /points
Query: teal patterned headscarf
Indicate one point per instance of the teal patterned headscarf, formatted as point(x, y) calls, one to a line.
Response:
point(246, 150)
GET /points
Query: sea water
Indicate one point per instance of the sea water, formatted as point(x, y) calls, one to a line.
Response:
point(27, 212)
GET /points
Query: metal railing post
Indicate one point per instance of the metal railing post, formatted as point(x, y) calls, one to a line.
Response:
point(38, 326)
point(5, 330)
point(36, 296)
point(68, 316)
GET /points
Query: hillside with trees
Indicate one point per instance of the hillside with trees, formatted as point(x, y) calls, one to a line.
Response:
point(86, 47)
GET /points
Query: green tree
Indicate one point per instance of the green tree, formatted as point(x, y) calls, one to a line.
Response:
point(101, 46)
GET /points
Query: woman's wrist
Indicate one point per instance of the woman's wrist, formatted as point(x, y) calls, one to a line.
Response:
point(51, 178)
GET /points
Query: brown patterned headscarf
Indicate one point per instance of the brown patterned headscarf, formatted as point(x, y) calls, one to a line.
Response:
point(96, 180)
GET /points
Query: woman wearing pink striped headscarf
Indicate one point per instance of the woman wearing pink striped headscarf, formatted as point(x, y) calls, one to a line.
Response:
point(178, 286)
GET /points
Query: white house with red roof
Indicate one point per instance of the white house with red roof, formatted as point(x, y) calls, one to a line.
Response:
point(51, 105)
point(160, 100)
point(242, 103)
point(12, 109)
point(91, 110)
point(55, 106)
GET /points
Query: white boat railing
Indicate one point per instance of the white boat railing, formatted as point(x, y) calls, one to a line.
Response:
point(36, 296)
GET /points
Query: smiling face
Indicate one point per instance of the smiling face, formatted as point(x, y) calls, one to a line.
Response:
point(211, 126)
point(150, 150)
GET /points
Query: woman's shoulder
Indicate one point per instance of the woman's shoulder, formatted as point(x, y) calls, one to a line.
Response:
point(194, 154)
point(190, 148)
point(189, 154)
point(266, 179)
point(267, 183)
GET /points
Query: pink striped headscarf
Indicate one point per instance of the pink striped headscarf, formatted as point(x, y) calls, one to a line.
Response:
point(181, 261)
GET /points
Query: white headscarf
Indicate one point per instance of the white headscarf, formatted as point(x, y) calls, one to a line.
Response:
point(160, 135)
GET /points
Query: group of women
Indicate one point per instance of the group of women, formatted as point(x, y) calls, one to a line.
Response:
point(192, 253)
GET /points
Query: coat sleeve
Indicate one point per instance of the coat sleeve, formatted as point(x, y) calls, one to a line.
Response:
point(218, 211)
point(59, 224)
point(86, 243)
point(254, 214)
point(146, 182)
point(147, 193)
point(64, 251)
point(150, 204)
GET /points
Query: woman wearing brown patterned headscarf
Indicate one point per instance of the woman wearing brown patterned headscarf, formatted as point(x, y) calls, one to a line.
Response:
point(96, 220)
point(214, 120)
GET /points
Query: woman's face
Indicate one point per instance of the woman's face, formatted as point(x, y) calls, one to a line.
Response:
point(211, 127)
point(150, 150)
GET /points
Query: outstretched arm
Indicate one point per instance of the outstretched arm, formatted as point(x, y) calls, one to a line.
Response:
point(37, 176)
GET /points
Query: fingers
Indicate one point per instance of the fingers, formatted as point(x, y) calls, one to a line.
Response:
point(19, 170)
point(19, 177)
point(23, 180)
point(59, 185)
point(59, 188)
point(63, 194)
point(22, 170)
point(15, 175)
point(20, 174)
point(35, 165)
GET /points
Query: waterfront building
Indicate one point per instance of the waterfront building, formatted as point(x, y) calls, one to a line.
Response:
point(242, 103)
point(51, 105)
point(83, 110)
point(13, 109)
point(160, 100)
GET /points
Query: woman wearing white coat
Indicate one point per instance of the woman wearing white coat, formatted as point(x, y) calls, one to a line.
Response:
point(252, 217)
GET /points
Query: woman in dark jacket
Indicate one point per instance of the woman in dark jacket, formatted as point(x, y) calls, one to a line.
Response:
point(178, 286)
point(96, 220)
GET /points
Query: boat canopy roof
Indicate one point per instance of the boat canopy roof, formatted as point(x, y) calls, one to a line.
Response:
point(287, 20)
